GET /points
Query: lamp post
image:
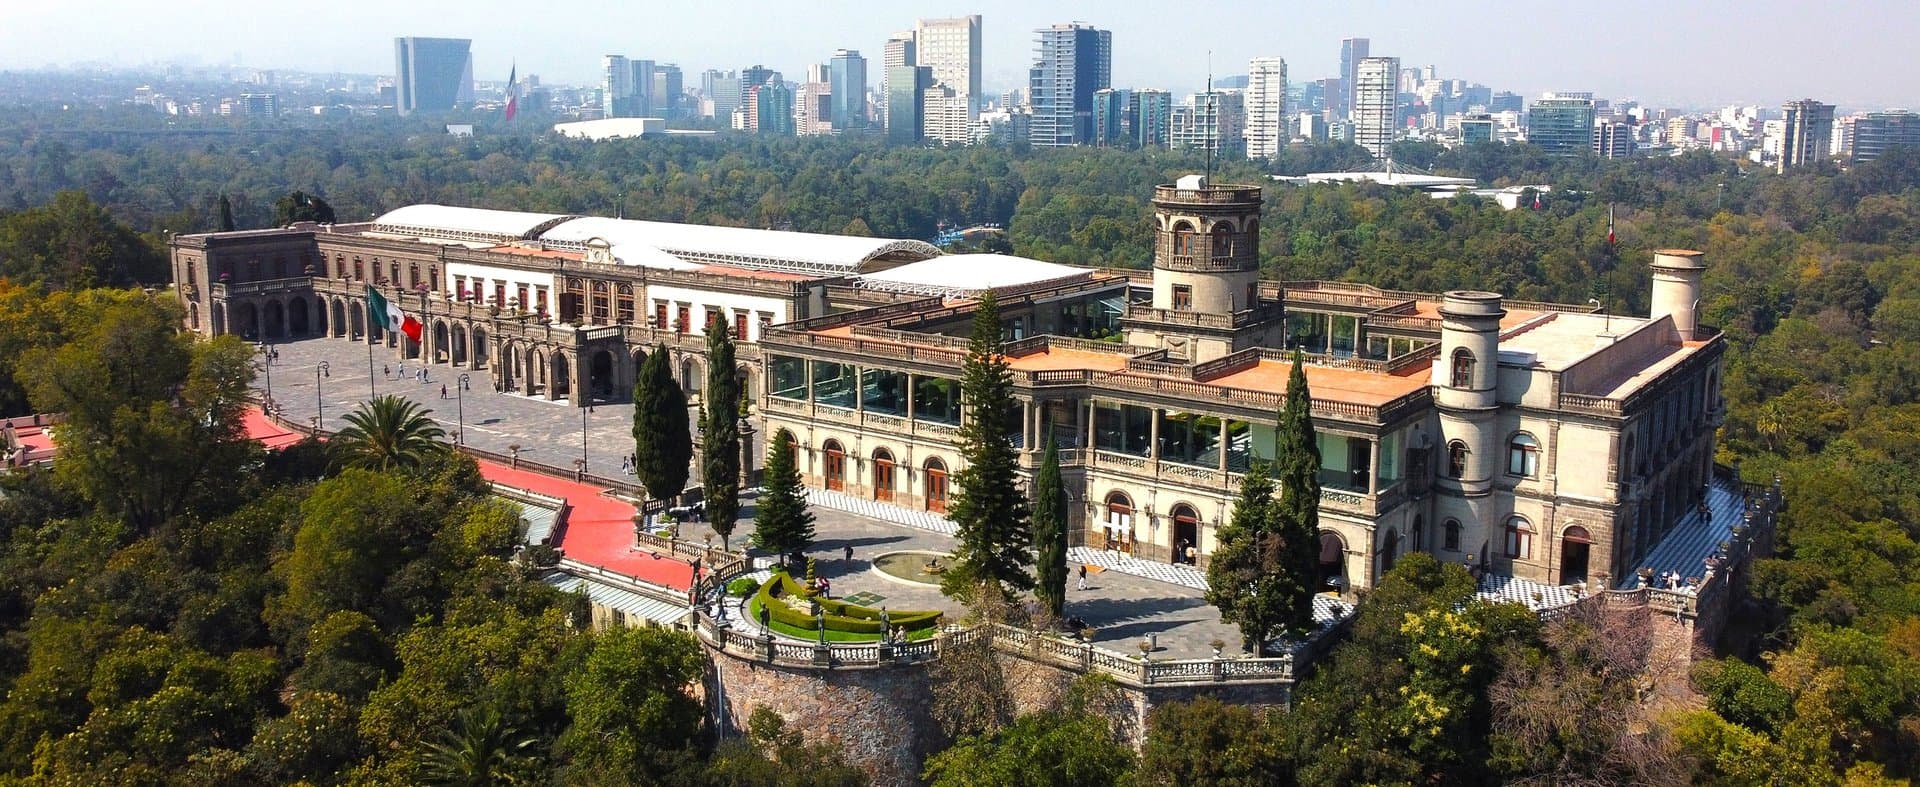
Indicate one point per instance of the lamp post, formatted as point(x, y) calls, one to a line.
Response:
point(319, 402)
point(266, 362)
point(460, 403)
point(583, 435)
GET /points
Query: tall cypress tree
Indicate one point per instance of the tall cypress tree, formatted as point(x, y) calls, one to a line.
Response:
point(781, 522)
point(1050, 532)
point(662, 435)
point(720, 445)
point(1244, 579)
point(994, 543)
point(226, 214)
point(1297, 515)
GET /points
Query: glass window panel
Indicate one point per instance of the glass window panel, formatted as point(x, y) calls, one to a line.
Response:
point(936, 399)
point(833, 384)
point(789, 377)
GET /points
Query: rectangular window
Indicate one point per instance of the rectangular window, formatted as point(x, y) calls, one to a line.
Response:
point(460, 287)
point(789, 376)
point(834, 384)
point(1183, 297)
point(520, 294)
point(883, 391)
point(740, 325)
point(499, 293)
point(540, 300)
point(624, 307)
point(660, 316)
point(682, 319)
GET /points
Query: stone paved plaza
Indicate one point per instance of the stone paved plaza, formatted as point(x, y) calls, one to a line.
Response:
point(1121, 607)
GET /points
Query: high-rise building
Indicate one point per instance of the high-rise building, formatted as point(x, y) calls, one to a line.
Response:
point(945, 115)
point(1475, 129)
point(1875, 132)
point(951, 47)
point(627, 87)
point(772, 105)
point(1561, 123)
point(1114, 110)
point(1153, 120)
point(1808, 130)
point(756, 75)
point(1376, 103)
point(1074, 61)
point(259, 105)
point(1266, 102)
point(1210, 120)
point(1352, 51)
point(722, 92)
point(668, 91)
point(898, 51)
point(1613, 139)
point(1504, 101)
point(431, 74)
point(906, 102)
point(847, 87)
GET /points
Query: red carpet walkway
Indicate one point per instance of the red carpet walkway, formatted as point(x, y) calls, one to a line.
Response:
point(599, 529)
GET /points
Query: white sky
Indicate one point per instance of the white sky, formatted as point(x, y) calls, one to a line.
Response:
point(1856, 54)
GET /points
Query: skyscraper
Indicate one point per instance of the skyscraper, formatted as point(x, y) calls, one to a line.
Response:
point(898, 51)
point(756, 75)
point(906, 102)
point(1073, 62)
point(1561, 124)
point(1154, 121)
point(1613, 139)
point(1376, 103)
point(951, 47)
point(770, 107)
point(722, 91)
point(1114, 110)
point(847, 84)
point(627, 87)
point(1809, 130)
point(668, 91)
point(431, 74)
point(1874, 132)
point(1266, 102)
point(1210, 120)
point(1352, 51)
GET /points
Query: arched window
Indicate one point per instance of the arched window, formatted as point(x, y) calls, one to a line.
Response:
point(1223, 239)
point(883, 475)
point(1182, 238)
point(1519, 538)
point(1523, 456)
point(1457, 459)
point(1452, 538)
point(1462, 368)
point(1389, 550)
point(1418, 533)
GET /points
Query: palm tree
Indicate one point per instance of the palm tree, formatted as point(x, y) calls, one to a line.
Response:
point(389, 431)
point(478, 750)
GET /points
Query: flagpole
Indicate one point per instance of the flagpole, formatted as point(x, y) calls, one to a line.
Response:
point(371, 393)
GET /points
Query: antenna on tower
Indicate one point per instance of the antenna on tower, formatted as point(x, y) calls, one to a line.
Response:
point(1213, 112)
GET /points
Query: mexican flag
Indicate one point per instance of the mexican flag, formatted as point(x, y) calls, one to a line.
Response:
point(385, 314)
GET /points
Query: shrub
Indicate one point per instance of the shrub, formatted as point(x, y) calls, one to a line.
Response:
point(744, 586)
point(840, 615)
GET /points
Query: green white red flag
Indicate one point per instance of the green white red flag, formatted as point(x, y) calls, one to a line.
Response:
point(386, 314)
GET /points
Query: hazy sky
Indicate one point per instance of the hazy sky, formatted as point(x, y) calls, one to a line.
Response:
point(1856, 54)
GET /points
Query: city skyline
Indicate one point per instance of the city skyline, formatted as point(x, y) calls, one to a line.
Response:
point(1658, 53)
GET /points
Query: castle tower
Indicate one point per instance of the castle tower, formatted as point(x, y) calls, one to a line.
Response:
point(1466, 379)
point(1206, 273)
point(1676, 288)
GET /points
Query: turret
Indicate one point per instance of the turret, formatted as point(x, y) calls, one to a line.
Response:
point(1207, 252)
point(1676, 288)
point(1466, 380)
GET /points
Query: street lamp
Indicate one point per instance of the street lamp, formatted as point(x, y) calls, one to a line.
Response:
point(266, 362)
point(583, 436)
point(460, 402)
point(319, 403)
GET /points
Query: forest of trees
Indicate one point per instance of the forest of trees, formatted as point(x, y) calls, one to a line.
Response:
point(223, 619)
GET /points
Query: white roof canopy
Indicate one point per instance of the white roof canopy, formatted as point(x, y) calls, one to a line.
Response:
point(448, 222)
point(969, 275)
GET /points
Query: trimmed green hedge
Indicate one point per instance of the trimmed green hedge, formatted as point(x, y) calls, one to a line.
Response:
point(744, 586)
point(840, 615)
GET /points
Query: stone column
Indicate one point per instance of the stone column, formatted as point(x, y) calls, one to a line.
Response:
point(1223, 455)
point(1373, 467)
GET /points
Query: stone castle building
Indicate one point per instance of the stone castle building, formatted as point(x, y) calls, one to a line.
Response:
point(1544, 442)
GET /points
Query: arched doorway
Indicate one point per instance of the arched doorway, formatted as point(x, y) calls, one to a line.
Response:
point(1118, 529)
point(745, 377)
point(534, 375)
point(1575, 545)
point(246, 321)
point(559, 378)
point(1389, 550)
point(356, 325)
point(834, 469)
point(936, 485)
point(322, 316)
point(275, 326)
point(1333, 561)
point(458, 347)
point(480, 354)
point(1186, 533)
point(409, 348)
point(440, 352)
point(600, 374)
point(298, 321)
point(691, 377)
point(339, 321)
point(883, 475)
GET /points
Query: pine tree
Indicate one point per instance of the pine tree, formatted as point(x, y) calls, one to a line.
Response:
point(1297, 515)
point(782, 524)
point(1243, 578)
point(226, 214)
point(1050, 532)
point(994, 542)
point(662, 436)
point(720, 444)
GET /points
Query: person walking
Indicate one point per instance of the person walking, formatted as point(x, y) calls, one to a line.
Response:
point(443, 390)
point(1083, 578)
point(849, 553)
point(386, 370)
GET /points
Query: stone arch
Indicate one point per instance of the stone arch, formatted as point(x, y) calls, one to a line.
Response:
point(480, 350)
point(1117, 521)
point(1389, 550)
point(409, 348)
point(692, 375)
point(935, 472)
point(560, 378)
point(833, 466)
point(1186, 531)
point(600, 375)
point(1333, 560)
point(508, 376)
point(457, 344)
point(339, 322)
point(535, 372)
point(1576, 547)
point(273, 320)
point(246, 321)
point(440, 342)
point(299, 321)
point(744, 374)
point(1183, 235)
point(356, 324)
